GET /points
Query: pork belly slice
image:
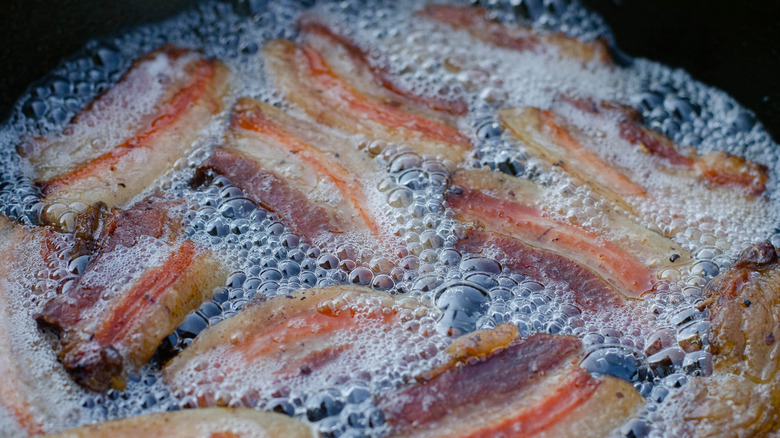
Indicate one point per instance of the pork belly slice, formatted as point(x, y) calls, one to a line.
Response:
point(531, 388)
point(714, 169)
point(479, 23)
point(742, 393)
point(197, 423)
point(141, 283)
point(318, 184)
point(331, 98)
point(283, 340)
point(550, 139)
point(133, 133)
point(624, 254)
point(326, 39)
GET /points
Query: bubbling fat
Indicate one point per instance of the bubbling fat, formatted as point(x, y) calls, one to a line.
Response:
point(652, 344)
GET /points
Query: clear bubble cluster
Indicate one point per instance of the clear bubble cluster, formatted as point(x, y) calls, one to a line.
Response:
point(657, 347)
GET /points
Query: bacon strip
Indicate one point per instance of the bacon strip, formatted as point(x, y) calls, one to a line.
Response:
point(716, 169)
point(310, 82)
point(480, 25)
point(529, 388)
point(743, 390)
point(105, 331)
point(280, 340)
point(590, 291)
point(285, 164)
point(512, 207)
point(114, 174)
point(546, 134)
point(197, 423)
point(313, 25)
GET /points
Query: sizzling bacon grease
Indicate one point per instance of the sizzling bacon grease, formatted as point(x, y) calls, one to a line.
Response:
point(743, 391)
point(529, 388)
point(513, 207)
point(201, 423)
point(75, 168)
point(107, 327)
point(480, 25)
point(309, 80)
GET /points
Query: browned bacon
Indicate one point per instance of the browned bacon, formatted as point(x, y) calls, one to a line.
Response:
point(480, 25)
point(529, 388)
point(153, 115)
point(310, 81)
point(743, 391)
point(279, 341)
point(314, 180)
point(513, 208)
point(112, 320)
point(197, 423)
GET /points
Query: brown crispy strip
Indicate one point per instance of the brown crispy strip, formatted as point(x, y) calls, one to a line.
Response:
point(118, 174)
point(102, 340)
point(480, 25)
point(197, 423)
point(310, 82)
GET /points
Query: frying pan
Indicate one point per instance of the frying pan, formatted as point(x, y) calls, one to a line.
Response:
point(730, 45)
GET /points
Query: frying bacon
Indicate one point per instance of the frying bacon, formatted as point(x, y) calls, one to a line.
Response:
point(314, 180)
point(743, 391)
point(480, 25)
point(197, 423)
point(310, 81)
point(714, 169)
point(280, 340)
point(132, 134)
point(513, 207)
point(529, 388)
point(112, 320)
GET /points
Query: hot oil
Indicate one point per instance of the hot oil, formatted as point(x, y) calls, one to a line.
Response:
point(649, 344)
